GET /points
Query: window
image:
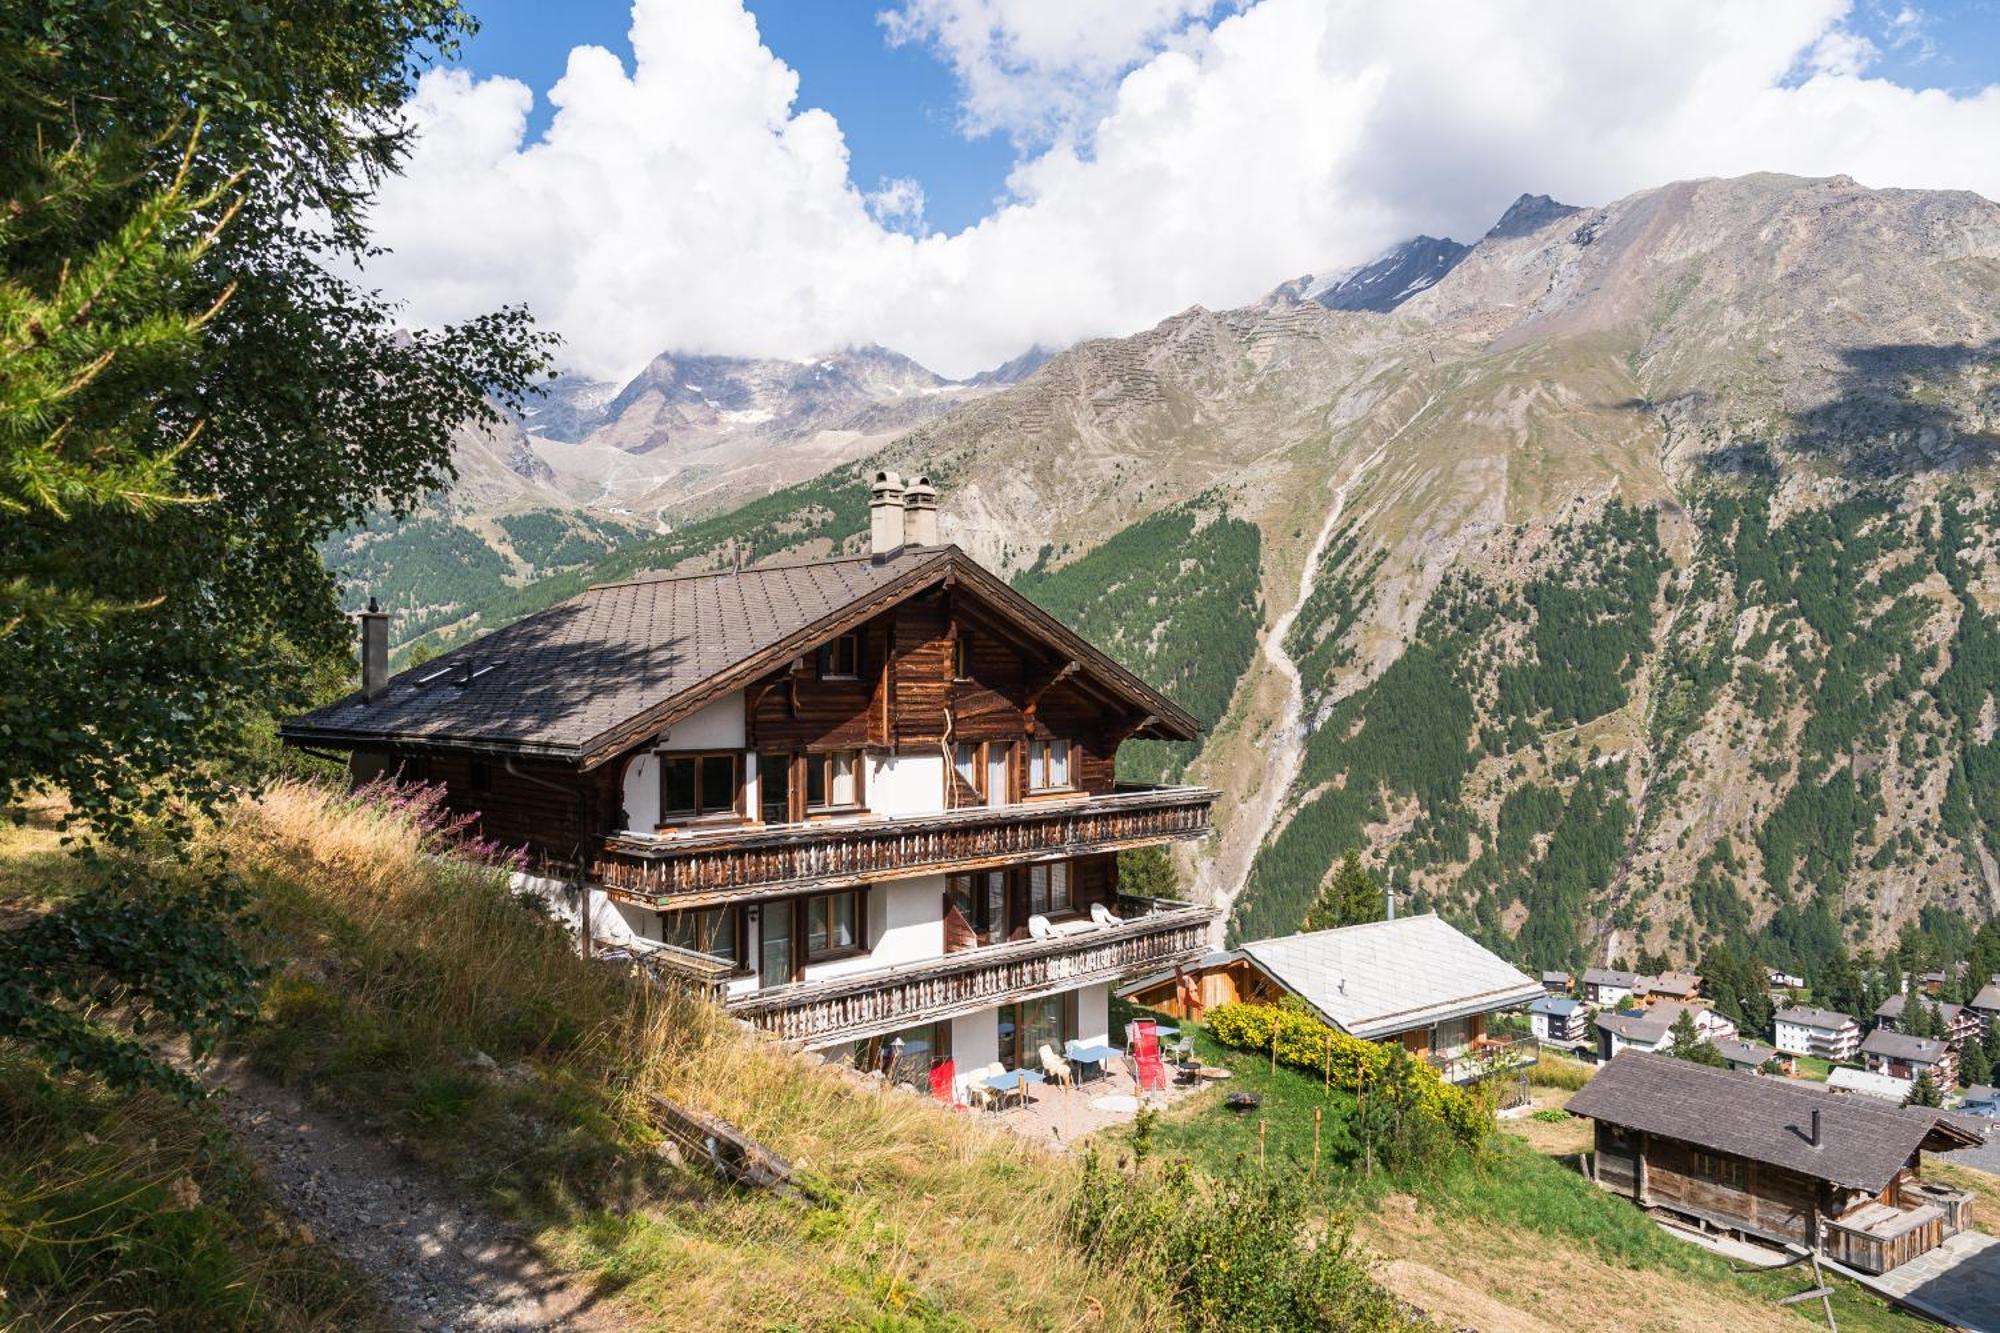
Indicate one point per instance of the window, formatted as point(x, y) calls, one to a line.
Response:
point(1048, 765)
point(698, 786)
point(479, 777)
point(1027, 1027)
point(833, 780)
point(774, 788)
point(1722, 1170)
point(965, 763)
point(1048, 888)
point(833, 925)
point(840, 659)
point(982, 900)
point(712, 932)
point(908, 1056)
point(961, 656)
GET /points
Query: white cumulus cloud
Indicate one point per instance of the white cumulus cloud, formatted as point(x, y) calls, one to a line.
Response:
point(690, 202)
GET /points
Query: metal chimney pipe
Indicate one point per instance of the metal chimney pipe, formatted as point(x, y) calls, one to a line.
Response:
point(1389, 891)
point(374, 652)
point(1814, 1140)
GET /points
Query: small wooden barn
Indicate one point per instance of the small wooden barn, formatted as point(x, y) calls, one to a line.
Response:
point(1774, 1159)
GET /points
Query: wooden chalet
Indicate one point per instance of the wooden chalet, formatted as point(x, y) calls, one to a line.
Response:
point(1774, 1159)
point(865, 802)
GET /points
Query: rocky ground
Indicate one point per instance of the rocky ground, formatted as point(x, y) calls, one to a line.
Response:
point(440, 1264)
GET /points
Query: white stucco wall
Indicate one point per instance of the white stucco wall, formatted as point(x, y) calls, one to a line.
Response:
point(716, 727)
point(975, 1044)
point(607, 921)
point(905, 925)
point(642, 794)
point(908, 783)
point(1093, 1014)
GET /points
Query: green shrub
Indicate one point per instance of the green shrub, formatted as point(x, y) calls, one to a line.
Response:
point(1238, 1251)
point(1350, 1063)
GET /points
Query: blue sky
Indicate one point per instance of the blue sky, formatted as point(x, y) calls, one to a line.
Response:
point(1151, 154)
point(898, 106)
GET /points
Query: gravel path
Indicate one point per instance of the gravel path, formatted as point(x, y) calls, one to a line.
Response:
point(439, 1263)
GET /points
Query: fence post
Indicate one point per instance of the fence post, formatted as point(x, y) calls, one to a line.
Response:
point(1262, 1125)
point(1314, 1174)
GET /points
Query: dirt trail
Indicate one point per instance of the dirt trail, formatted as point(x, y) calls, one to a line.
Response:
point(437, 1262)
point(1220, 879)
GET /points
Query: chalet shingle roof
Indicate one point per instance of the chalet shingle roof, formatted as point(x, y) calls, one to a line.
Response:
point(1561, 1006)
point(1741, 1052)
point(1863, 1143)
point(1388, 976)
point(1988, 998)
point(1604, 976)
point(1902, 1046)
point(1648, 1025)
point(621, 659)
point(1892, 1008)
point(1826, 1020)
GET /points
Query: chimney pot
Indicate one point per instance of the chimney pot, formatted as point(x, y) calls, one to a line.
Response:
point(885, 515)
point(1814, 1140)
point(374, 652)
point(920, 513)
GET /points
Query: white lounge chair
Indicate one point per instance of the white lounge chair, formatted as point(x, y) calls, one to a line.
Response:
point(1104, 916)
point(1039, 928)
point(1055, 1066)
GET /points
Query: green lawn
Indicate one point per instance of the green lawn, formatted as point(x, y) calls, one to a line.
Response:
point(1511, 1193)
point(1812, 1067)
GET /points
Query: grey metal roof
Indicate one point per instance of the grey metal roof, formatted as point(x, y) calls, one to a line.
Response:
point(1902, 1046)
point(1844, 1078)
point(1560, 1005)
point(1863, 1143)
point(1825, 1019)
point(1387, 976)
point(569, 680)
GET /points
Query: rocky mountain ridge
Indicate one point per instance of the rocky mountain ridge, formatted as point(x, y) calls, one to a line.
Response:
point(1583, 573)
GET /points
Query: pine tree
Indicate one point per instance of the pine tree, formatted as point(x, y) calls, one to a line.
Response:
point(1973, 1066)
point(1926, 1092)
point(1349, 899)
point(1684, 1042)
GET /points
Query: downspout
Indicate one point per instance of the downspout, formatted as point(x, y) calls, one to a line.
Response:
point(579, 892)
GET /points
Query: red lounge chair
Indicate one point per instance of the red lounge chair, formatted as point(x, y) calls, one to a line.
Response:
point(1142, 1037)
point(943, 1074)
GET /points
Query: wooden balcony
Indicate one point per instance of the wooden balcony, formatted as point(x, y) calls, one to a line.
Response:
point(1484, 1058)
point(1153, 935)
point(761, 861)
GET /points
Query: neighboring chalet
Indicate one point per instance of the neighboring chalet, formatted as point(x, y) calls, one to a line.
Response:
point(1608, 986)
point(1862, 1083)
point(1753, 1056)
point(867, 802)
point(1558, 1020)
point(1652, 1029)
point(1775, 1159)
point(1959, 1024)
point(1416, 980)
point(1821, 1033)
point(1556, 983)
point(1900, 1055)
point(1985, 1006)
point(1679, 987)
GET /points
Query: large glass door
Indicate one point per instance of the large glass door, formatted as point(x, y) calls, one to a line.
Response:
point(774, 945)
point(998, 768)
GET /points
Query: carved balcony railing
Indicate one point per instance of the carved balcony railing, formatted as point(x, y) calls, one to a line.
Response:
point(704, 974)
point(1153, 935)
point(760, 861)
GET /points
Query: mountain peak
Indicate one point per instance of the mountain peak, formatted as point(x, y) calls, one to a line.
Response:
point(1527, 215)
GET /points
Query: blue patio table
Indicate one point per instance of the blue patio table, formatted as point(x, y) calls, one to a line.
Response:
point(1013, 1078)
point(1078, 1053)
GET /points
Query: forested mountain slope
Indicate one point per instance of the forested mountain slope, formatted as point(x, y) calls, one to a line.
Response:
point(1629, 586)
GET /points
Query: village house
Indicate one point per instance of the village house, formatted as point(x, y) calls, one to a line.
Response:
point(1606, 986)
point(1822, 1033)
point(866, 802)
point(1900, 1055)
point(1862, 1083)
point(1557, 1020)
point(1959, 1024)
point(1651, 1029)
point(1415, 980)
point(1680, 987)
point(1774, 1159)
point(1985, 1006)
point(1752, 1057)
point(1783, 981)
point(1556, 983)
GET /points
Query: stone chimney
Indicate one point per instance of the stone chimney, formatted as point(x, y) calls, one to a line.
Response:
point(885, 514)
point(920, 513)
point(374, 652)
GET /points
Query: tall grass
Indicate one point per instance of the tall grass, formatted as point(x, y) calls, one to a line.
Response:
point(403, 964)
point(1559, 1071)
